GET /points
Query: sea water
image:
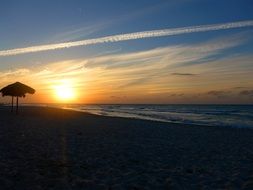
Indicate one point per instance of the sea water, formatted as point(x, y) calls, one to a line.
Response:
point(211, 115)
point(206, 115)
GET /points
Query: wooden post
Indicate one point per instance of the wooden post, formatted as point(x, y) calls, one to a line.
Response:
point(11, 104)
point(17, 106)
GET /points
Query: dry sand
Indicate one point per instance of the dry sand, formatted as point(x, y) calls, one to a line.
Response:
point(48, 148)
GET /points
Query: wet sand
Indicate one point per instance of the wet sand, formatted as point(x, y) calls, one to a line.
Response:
point(49, 148)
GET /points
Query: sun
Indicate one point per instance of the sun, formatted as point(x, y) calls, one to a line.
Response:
point(65, 91)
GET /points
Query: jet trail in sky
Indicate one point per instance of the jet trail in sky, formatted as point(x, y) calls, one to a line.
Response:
point(128, 36)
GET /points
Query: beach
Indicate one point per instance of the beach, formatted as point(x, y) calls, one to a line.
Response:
point(50, 148)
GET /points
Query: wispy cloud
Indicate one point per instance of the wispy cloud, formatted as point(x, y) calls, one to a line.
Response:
point(247, 93)
point(183, 74)
point(128, 36)
point(218, 93)
point(176, 95)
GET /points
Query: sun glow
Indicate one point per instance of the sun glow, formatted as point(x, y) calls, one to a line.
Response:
point(65, 91)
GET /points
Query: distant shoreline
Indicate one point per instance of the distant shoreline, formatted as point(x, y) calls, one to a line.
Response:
point(238, 116)
point(96, 115)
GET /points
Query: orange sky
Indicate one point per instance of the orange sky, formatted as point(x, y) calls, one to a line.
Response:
point(150, 76)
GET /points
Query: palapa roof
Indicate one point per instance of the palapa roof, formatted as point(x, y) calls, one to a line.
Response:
point(17, 89)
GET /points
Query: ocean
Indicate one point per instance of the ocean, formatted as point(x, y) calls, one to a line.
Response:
point(210, 115)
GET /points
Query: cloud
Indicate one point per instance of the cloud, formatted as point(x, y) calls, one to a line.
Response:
point(239, 87)
point(247, 93)
point(183, 74)
point(218, 93)
point(15, 73)
point(176, 95)
point(178, 55)
point(128, 36)
point(136, 82)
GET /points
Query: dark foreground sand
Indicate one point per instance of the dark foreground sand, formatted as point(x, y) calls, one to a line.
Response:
point(47, 148)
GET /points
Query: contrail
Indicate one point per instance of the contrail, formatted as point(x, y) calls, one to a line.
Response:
point(128, 36)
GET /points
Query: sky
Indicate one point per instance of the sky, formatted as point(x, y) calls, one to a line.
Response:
point(124, 52)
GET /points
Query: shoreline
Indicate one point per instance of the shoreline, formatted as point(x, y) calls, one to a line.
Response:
point(127, 118)
point(44, 148)
point(149, 120)
point(208, 117)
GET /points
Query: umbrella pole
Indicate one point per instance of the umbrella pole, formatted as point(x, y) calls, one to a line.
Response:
point(17, 106)
point(11, 104)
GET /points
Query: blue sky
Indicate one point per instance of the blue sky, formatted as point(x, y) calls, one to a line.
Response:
point(33, 22)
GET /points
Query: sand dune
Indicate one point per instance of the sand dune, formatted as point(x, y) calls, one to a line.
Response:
point(48, 148)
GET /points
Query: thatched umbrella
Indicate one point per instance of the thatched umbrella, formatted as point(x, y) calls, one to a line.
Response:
point(16, 89)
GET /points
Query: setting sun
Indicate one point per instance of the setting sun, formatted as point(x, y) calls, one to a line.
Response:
point(65, 91)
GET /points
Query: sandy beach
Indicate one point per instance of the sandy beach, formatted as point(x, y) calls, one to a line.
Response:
point(49, 148)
